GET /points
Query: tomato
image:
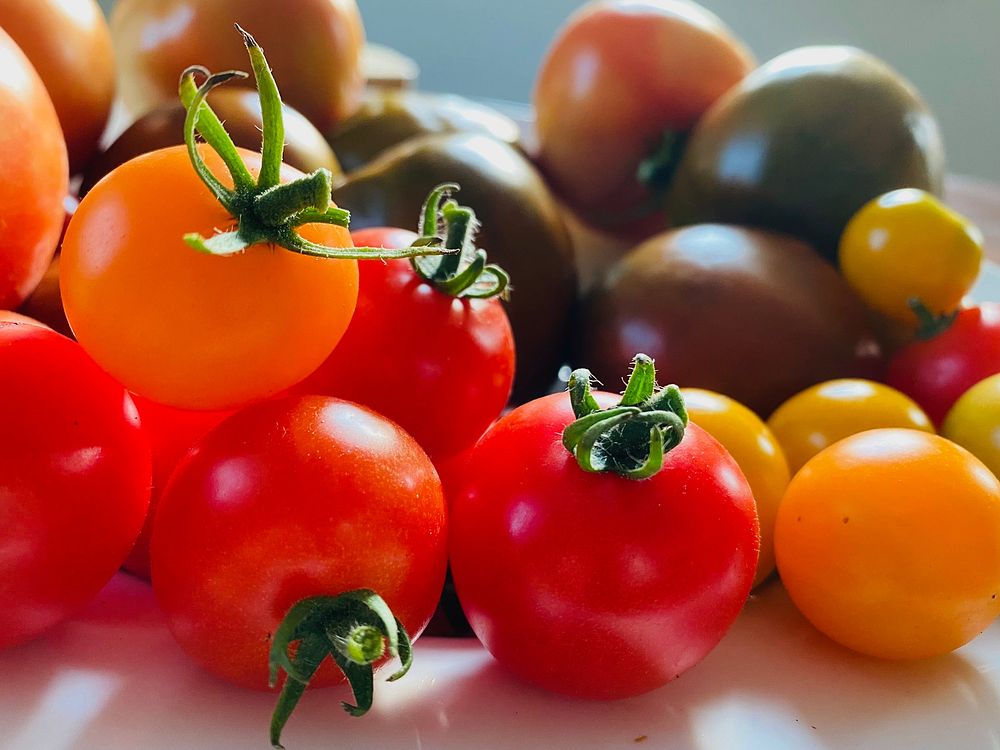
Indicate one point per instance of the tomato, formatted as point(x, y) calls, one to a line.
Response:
point(74, 479)
point(171, 433)
point(618, 90)
point(69, 44)
point(609, 587)
point(427, 347)
point(35, 176)
point(314, 46)
point(289, 499)
point(889, 543)
point(7, 316)
point(907, 245)
point(819, 416)
point(239, 108)
point(936, 371)
point(974, 422)
point(754, 447)
point(204, 331)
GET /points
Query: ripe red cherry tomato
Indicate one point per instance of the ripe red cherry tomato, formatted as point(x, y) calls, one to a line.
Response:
point(290, 499)
point(74, 479)
point(171, 433)
point(936, 372)
point(608, 587)
point(440, 366)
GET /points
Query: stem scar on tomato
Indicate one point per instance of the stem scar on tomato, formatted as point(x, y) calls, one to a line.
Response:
point(265, 210)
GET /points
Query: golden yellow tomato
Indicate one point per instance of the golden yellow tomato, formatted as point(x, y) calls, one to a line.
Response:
point(889, 543)
point(908, 245)
point(974, 422)
point(819, 416)
point(758, 454)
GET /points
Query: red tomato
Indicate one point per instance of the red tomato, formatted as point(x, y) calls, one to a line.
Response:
point(171, 433)
point(74, 479)
point(289, 499)
point(623, 79)
point(34, 179)
point(440, 366)
point(936, 372)
point(608, 587)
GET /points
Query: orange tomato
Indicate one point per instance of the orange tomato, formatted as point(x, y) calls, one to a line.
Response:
point(34, 179)
point(818, 417)
point(757, 452)
point(889, 543)
point(188, 329)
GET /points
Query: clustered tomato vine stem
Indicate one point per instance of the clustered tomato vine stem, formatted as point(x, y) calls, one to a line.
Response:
point(265, 210)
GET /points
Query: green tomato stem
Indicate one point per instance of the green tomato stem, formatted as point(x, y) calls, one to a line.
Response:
point(355, 629)
point(632, 438)
point(929, 325)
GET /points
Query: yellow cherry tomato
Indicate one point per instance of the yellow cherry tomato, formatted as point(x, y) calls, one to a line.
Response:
point(974, 422)
point(751, 444)
point(819, 416)
point(889, 543)
point(908, 245)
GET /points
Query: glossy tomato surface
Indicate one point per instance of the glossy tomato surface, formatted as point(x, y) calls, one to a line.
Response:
point(592, 585)
point(620, 76)
point(974, 422)
point(189, 329)
point(889, 543)
point(69, 44)
point(290, 499)
point(439, 366)
point(936, 372)
point(74, 479)
point(35, 176)
point(313, 47)
point(757, 452)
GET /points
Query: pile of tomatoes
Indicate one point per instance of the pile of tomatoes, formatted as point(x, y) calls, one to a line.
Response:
point(297, 431)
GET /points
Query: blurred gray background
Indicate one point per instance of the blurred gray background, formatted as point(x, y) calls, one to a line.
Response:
point(949, 49)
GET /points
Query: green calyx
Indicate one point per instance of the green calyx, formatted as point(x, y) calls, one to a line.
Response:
point(929, 325)
point(356, 629)
point(657, 170)
point(264, 210)
point(463, 271)
point(631, 438)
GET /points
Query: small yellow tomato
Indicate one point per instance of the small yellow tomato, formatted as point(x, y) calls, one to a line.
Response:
point(819, 416)
point(889, 543)
point(751, 444)
point(974, 422)
point(908, 245)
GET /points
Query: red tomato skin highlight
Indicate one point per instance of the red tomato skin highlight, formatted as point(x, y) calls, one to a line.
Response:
point(287, 499)
point(609, 587)
point(440, 367)
point(74, 479)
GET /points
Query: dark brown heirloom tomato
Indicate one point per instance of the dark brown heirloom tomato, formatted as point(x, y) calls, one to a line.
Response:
point(313, 46)
point(239, 109)
point(620, 87)
point(68, 43)
point(803, 143)
point(522, 231)
point(391, 116)
point(755, 315)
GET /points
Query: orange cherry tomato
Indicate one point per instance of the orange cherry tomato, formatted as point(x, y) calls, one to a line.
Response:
point(889, 543)
point(819, 416)
point(757, 452)
point(189, 329)
point(69, 43)
point(34, 178)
